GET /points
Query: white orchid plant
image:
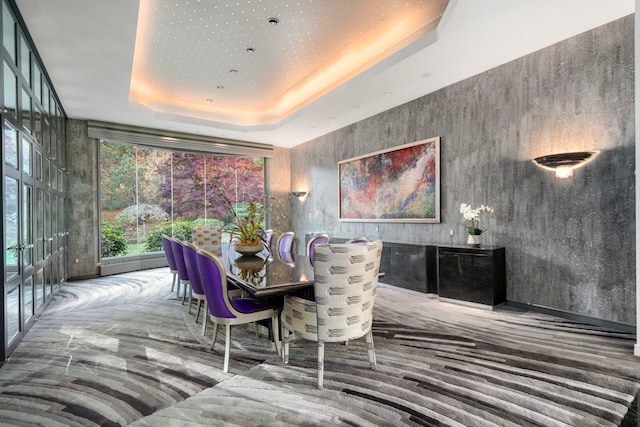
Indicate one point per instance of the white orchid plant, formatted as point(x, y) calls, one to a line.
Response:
point(471, 216)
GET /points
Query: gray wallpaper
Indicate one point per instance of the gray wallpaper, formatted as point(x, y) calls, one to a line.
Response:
point(570, 243)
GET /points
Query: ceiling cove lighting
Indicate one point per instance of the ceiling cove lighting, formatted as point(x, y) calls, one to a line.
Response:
point(563, 164)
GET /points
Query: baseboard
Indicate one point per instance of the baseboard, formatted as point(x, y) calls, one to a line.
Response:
point(579, 318)
point(133, 265)
point(466, 303)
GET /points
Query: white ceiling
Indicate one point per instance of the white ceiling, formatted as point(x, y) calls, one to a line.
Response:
point(88, 49)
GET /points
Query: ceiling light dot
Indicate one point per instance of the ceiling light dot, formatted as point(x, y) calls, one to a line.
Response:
point(425, 75)
point(209, 100)
point(233, 71)
point(387, 94)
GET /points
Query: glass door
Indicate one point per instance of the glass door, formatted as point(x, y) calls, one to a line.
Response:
point(18, 234)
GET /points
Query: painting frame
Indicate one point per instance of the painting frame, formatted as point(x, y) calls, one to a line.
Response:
point(398, 184)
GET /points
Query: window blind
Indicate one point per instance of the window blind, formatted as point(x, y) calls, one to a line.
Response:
point(177, 140)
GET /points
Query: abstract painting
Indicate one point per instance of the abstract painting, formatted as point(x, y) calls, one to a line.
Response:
point(401, 184)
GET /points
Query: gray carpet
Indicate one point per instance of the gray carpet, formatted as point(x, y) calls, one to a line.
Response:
point(122, 350)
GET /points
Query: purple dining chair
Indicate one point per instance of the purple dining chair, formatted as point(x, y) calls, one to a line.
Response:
point(191, 264)
point(285, 242)
point(226, 311)
point(318, 239)
point(359, 240)
point(178, 257)
point(168, 252)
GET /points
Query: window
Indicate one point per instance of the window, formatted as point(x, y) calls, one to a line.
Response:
point(147, 192)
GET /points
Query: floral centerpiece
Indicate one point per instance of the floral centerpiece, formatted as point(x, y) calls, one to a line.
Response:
point(471, 217)
point(248, 230)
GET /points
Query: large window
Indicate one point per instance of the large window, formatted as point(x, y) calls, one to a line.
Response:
point(147, 192)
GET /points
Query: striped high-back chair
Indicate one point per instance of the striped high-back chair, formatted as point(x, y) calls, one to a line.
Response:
point(208, 238)
point(345, 281)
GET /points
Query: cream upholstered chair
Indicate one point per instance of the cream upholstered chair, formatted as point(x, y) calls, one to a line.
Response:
point(346, 277)
point(208, 238)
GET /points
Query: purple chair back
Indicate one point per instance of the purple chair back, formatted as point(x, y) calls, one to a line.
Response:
point(320, 239)
point(178, 256)
point(359, 240)
point(168, 252)
point(285, 242)
point(191, 265)
point(214, 283)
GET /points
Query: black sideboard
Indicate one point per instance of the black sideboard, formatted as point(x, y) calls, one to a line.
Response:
point(475, 275)
point(453, 272)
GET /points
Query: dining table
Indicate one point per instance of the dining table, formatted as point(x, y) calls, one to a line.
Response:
point(267, 274)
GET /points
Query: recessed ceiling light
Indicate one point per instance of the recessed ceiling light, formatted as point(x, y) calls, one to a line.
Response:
point(273, 21)
point(250, 50)
point(356, 107)
point(209, 100)
point(219, 87)
point(425, 75)
point(387, 94)
point(233, 71)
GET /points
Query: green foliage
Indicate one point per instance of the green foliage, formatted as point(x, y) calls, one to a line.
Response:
point(180, 230)
point(113, 242)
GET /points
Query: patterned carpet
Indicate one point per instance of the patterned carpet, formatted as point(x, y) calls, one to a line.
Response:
point(122, 350)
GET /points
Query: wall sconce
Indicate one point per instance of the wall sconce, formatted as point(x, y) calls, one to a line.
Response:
point(563, 164)
point(299, 194)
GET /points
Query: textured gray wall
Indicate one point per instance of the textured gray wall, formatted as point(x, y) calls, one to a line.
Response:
point(570, 243)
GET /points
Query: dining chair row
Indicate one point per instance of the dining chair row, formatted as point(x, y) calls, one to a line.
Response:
point(204, 275)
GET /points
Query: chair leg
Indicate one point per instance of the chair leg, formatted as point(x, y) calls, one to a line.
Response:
point(174, 279)
point(214, 334)
point(372, 353)
point(320, 364)
point(198, 305)
point(276, 331)
point(184, 292)
point(189, 301)
point(205, 318)
point(227, 347)
point(285, 344)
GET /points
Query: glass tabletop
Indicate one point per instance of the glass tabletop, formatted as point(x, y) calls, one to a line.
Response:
point(267, 274)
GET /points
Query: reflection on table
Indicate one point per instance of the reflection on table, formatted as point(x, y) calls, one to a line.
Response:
point(267, 274)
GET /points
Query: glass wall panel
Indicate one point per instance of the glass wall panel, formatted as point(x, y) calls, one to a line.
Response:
point(47, 280)
point(25, 60)
point(47, 224)
point(11, 228)
point(10, 145)
point(28, 298)
point(46, 93)
point(26, 110)
point(39, 165)
point(12, 318)
point(37, 83)
point(39, 215)
point(26, 156)
point(148, 192)
point(27, 238)
point(8, 32)
point(39, 287)
point(10, 85)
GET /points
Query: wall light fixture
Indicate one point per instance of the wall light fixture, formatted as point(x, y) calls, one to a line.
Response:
point(563, 164)
point(299, 194)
